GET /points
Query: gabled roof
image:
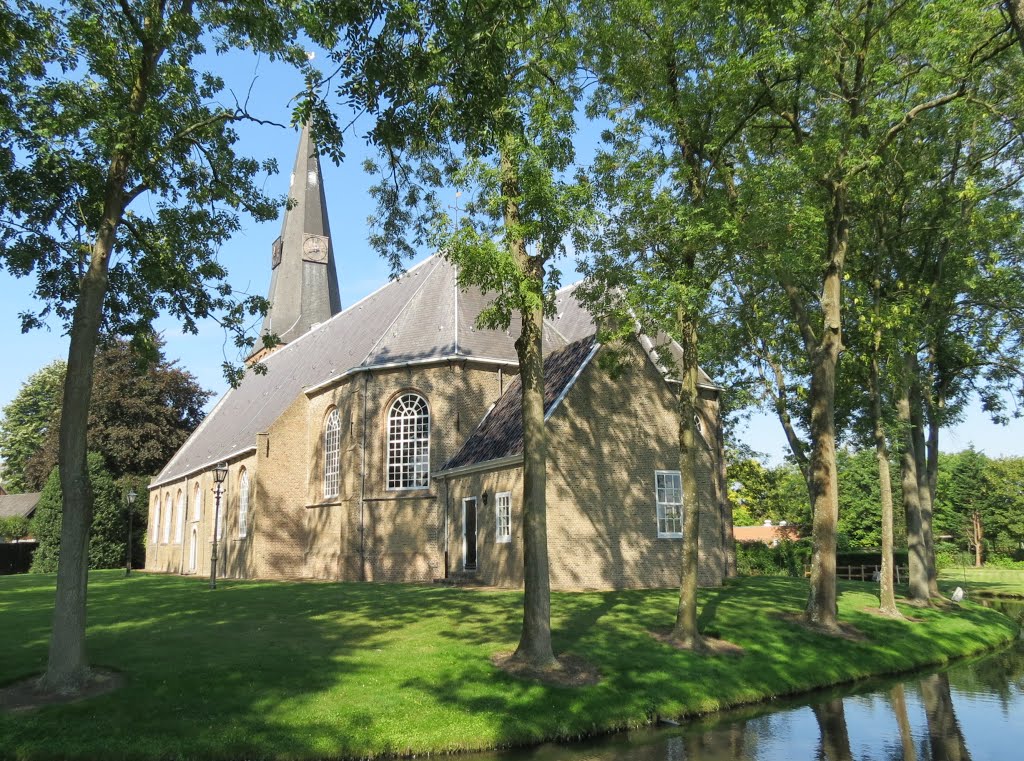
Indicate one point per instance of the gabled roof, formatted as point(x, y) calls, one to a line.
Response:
point(574, 322)
point(18, 505)
point(420, 317)
point(500, 434)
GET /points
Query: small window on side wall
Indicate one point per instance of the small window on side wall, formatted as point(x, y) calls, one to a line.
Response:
point(503, 517)
point(668, 486)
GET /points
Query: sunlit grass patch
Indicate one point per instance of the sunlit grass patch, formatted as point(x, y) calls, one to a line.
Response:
point(301, 671)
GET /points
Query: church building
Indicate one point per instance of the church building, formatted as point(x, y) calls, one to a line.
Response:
point(385, 443)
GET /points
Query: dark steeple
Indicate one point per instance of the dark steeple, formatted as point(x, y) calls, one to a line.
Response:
point(303, 281)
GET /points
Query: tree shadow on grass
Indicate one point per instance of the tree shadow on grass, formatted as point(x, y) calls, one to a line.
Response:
point(261, 669)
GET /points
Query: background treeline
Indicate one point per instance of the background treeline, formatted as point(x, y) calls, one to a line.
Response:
point(143, 408)
point(978, 514)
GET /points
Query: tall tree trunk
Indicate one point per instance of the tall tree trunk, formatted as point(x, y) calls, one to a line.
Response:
point(822, 604)
point(535, 641)
point(921, 467)
point(887, 594)
point(911, 500)
point(67, 668)
point(978, 533)
point(685, 630)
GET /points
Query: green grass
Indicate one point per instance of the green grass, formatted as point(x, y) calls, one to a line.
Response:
point(999, 582)
point(301, 671)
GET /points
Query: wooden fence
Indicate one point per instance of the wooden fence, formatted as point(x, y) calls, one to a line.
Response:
point(864, 572)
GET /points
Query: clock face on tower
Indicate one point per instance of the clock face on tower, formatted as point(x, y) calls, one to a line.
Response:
point(314, 248)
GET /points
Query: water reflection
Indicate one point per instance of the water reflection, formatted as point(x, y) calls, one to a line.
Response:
point(972, 712)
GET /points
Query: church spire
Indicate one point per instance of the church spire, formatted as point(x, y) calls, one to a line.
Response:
point(303, 280)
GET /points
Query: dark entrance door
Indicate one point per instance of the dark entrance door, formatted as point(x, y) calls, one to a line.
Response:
point(469, 533)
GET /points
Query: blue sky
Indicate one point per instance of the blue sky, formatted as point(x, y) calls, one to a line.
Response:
point(360, 270)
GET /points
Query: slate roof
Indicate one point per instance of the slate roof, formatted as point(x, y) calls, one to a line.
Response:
point(420, 316)
point(500, 433)
point(574, 322)
point(18, 505)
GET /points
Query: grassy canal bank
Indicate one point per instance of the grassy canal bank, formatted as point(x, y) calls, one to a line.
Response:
point(302, 671)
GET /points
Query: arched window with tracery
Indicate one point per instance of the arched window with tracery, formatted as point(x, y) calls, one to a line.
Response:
point(243, 503)
point(332, 454)
point(409, 443)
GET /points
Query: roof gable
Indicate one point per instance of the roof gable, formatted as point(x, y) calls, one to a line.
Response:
point(500, 433)
point(420, 316)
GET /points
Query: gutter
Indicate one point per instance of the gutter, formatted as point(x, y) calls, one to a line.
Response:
point(478, 467)
point(313, 390)
point(200, 468)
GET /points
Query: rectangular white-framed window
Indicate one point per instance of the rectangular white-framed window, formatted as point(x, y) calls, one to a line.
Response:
point(668, 488)
point(503, 517)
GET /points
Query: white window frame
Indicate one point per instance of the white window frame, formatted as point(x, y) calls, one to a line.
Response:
point(165, 518)
point(407, 465)
point(503, 517)
point(332, 454)
point(179, 525)
point(243, 504)
point(155, 534)
point(663, 504)
point(197, 512)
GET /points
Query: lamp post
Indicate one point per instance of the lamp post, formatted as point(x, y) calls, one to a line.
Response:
point(219, 474)
point(131, 495)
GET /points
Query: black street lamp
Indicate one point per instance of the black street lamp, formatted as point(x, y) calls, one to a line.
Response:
point(219, 474)
point(131, 501)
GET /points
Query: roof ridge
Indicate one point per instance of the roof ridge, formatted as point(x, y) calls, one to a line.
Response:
point(398, 316)
point(361, 301)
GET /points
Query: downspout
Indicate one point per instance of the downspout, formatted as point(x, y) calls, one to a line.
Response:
point(362, 488)
point(447, 507)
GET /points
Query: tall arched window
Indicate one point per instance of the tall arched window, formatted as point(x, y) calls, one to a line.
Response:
point(197, 504)
point(179, 526)
point(409, 443)
point(332, 454)
point(165, 518)
point(154, 534)
point(243, 503)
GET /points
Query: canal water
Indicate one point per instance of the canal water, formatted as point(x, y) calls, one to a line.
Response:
point(973, 711)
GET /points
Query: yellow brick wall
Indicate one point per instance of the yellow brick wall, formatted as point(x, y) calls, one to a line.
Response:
point(606, 440)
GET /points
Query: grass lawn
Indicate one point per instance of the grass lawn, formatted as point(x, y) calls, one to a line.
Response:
point(302, 671)
point(1002, 582)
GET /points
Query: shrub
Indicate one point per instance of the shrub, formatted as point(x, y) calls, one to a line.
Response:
point(109, 522)
point(784, 559)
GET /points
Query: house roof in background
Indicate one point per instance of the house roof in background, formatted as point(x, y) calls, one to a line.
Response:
point(18, 505)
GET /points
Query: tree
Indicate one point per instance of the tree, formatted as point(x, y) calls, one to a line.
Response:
point(13, 528)
point(27, 422)
point(139, 414)
point(803, 179)
point(122, 182)
point(481, 97)
point(666, 179)
point(107, 539)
